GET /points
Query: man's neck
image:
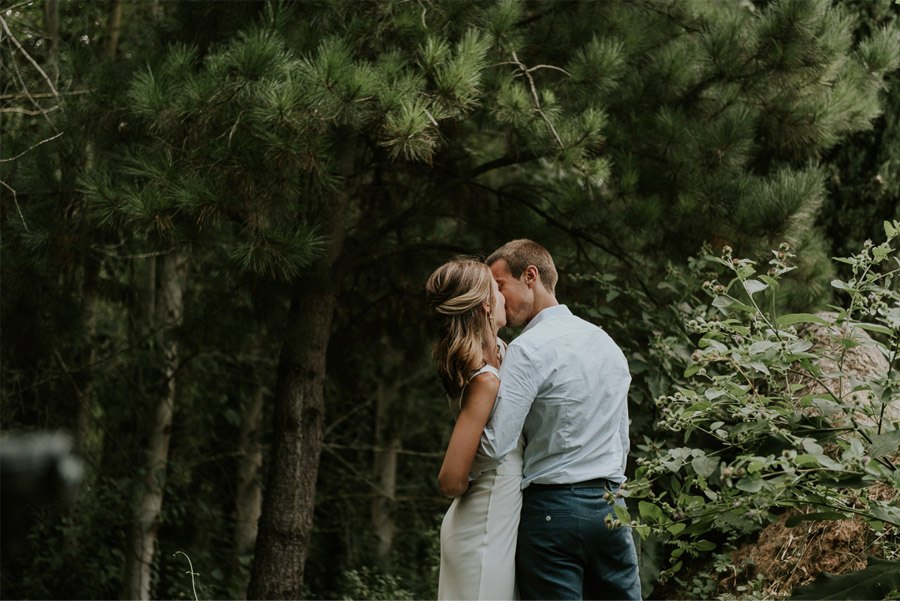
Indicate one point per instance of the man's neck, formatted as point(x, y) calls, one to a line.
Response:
point(541, 302)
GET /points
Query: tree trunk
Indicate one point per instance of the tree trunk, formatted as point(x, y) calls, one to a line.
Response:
point(87, 437)
point(299, 407)
point(170, 271)
point(248, 504)
point(387, 445)
point(51, 32)
point(114, 29)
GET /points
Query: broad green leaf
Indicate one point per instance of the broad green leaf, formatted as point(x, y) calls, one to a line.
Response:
point(725, 302)
point(750, 485)
point(704, 545)
point(877, 581)
point(649, 511)
point(761, 346)
point(794, 318)
point(754, 286)
point(826, 461)
point(840, 285)
point(760, 367)
point(889, 230)
point(881, 252)
point(713, 393)
point(851, 480)
point(705, 466)
point(885, 513)
point(814, 517)
point(768, 279)
point(885, 443)
point(691, 370)
point(812, 447)
point(806, 460)
point(722, 302)
point(826, 406)
point(622, 514)
point(877, 328)
point(675, 529)
point(799, 346)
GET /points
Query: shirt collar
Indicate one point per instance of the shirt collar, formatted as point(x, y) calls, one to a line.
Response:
point(548, 313)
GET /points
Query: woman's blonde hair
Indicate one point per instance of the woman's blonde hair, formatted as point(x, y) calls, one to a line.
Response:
point(457, 292)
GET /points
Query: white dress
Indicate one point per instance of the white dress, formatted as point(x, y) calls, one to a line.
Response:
point(478, 534)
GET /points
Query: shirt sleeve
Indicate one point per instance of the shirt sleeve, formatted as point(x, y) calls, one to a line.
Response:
point(519, 383)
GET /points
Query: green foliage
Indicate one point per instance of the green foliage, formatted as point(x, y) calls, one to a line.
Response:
point(880, 580)
point(621, 135)
point(759, 422)
point(369, 584)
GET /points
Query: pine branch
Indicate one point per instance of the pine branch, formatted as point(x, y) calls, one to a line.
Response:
point(22, 111)
point(21, 95)
point(535, 17)
point(504, 161)
point(28, 56)
point(27, 94)
point(537, 102)
point(574, 233)
point(21, 154)
point(16, 202)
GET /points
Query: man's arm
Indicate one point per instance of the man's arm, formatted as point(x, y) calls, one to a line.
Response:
point(518, 388)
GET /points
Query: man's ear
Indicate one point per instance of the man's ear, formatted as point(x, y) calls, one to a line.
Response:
point(531, 275)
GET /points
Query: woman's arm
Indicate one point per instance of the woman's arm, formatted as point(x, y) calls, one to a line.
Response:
point(477, 403)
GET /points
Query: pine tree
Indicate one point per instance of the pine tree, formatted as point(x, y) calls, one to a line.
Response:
point(313, 161)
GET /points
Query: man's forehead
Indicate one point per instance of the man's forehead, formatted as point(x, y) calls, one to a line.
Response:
point(500, 267)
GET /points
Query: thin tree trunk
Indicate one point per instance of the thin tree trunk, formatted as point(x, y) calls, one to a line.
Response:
point(85, 443)
point(299, 411)
point(114, 29)
point(248, 504)
point(387, 444)
point(171, 269)
point(51, 32)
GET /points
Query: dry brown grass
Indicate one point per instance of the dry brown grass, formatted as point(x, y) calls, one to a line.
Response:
point(790, 557)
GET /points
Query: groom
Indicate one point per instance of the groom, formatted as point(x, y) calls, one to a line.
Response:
point(564, 383)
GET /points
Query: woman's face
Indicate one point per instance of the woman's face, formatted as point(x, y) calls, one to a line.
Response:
point(499, 309)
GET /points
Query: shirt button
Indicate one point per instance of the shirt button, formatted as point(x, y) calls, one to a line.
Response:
point(547, 518)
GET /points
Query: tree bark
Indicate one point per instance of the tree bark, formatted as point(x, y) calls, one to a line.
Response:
point(248, 504)
point(170, 271)
point(299, 408)
point(51, 32)
point(114, 29)
point(387, 444)
point(86, 444)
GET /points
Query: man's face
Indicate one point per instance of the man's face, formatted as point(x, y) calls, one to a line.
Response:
point(519, 296)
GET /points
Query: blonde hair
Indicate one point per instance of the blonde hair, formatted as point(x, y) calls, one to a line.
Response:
point(456, 293)
point(519, 254)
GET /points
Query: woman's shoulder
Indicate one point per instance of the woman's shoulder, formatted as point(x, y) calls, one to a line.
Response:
point(487, 368)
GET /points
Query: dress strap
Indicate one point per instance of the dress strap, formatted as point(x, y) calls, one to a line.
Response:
point(485, 369)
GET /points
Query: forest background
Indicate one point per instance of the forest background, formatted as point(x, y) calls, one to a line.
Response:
point(218, 217)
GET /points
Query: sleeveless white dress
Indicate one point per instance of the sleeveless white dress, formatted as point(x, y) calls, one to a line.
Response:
point(479, 531)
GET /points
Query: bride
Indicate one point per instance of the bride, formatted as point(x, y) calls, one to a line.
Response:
point(478, 534)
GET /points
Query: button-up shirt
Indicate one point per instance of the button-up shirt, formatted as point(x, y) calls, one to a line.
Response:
point(564, 385)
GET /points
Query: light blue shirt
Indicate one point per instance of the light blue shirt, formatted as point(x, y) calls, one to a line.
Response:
point(564, 385)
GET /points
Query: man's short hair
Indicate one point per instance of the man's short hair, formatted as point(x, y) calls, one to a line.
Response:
point(519, 254)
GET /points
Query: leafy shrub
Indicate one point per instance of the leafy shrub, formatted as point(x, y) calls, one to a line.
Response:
point(369, 583)
point(755, 413)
